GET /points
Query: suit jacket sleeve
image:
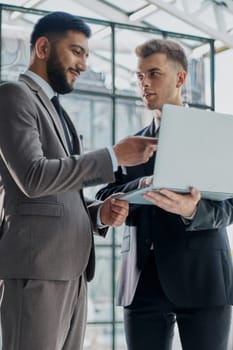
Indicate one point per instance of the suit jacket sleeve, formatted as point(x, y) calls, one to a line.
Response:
point(212, 215)
point(22, 139)
point(2, 195)
point(120, 185)
point(93, 208)
point(209, 215)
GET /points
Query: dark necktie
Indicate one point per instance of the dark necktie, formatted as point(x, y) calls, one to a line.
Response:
point(67, 131)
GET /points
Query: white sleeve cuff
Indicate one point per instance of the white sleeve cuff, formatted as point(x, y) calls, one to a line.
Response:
point(113, 158)
point(99, 223)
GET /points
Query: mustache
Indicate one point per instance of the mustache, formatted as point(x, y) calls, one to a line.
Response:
point(76, 70)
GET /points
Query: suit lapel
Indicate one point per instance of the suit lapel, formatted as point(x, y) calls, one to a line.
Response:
point(77, 142)
point(149, 166)
point(55, 118)
point(47, 104)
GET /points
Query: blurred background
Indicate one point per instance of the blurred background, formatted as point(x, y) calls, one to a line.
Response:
point(105, 105)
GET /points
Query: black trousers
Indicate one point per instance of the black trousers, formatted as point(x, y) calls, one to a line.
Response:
point(151, 318)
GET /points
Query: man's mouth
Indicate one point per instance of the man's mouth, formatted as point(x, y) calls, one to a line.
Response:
point(75, 73)
point(148, 94)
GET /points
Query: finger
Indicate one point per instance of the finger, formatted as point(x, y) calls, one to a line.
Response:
point(122, 213)
point(119, 203)
point(150, 140)
point(119, 206)
point(170, 194)
point(195, 193)
point(117, 220)
point(148, 154)
point(117, 224)
point(152, 148)
point(162, 203)
point(156, 198)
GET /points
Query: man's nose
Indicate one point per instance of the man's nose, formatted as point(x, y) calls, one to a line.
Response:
point(82, 64)
point(145, 81)
point(145, 84)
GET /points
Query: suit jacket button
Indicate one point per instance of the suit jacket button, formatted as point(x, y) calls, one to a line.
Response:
point(148, 242)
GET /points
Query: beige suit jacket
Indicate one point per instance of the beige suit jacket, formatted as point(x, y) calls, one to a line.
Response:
point(47, 230)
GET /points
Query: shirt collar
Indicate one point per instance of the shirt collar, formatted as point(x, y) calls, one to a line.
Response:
point(42, 83)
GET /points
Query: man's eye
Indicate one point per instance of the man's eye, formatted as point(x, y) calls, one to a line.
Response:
point(139, 76)
point(76, 52)
point(155, 74)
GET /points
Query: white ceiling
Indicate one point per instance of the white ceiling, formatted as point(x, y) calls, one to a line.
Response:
point(208, 18)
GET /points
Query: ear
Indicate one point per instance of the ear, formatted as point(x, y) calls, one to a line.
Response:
point(42, 48)
point(181, 77)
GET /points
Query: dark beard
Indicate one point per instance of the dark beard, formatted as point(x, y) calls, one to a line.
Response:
point(56, 74)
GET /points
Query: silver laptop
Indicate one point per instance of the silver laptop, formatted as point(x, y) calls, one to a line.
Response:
point(195, 148)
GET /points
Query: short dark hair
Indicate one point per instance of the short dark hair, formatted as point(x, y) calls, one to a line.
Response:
point(172, 50)
point(58, 23)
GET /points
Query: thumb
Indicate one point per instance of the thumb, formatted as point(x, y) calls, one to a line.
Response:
point(195, 193)
point(151, 140)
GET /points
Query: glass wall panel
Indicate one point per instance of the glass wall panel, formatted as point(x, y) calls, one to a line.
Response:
point(131, 116)
point(198, 82)
point(119, 309)
point(92, 117)
point(108, 239)
point(99, 75)
point(197, 89)
point(100, 289)
point(125, 59)
point(118, 236)
point(120, 337)
point(113, 237)
point(15, 48)
point(98, 337)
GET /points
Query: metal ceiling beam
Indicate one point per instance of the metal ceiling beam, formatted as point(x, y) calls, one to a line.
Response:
point(200, 9)
point(193, 21)
point(220, 19)
point(229, 5)
point(107, 11)
point(186, 5)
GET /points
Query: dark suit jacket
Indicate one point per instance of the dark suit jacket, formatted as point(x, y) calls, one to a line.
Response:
point(47, 229)
point(194, 261)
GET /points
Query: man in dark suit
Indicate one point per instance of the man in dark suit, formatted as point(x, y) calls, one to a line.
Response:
point(176, 260)
point(46, 246)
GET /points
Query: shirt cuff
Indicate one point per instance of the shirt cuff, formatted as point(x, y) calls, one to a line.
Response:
point(187, 219)
point(113, 158)
point(98, 221)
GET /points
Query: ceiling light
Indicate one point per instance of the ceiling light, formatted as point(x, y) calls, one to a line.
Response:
point(142, 12)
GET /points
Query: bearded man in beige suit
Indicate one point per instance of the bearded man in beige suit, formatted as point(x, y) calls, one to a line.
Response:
point(46, 246)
